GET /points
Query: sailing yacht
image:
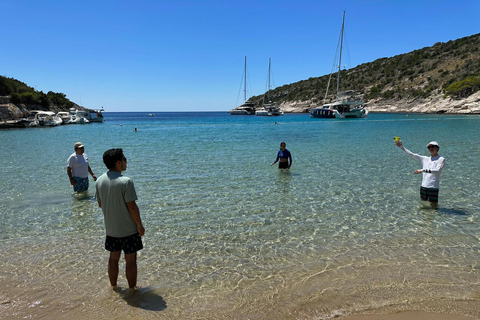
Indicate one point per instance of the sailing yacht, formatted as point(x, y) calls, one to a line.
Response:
point(269, 108)
point(346, 104)
point(248, 107)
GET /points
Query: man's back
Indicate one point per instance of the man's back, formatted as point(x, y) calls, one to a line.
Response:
point(113, 192)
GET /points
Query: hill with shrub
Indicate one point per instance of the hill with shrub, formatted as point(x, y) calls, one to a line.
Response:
point(433, 79)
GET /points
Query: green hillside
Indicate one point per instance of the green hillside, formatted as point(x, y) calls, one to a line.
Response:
point(451, 68)
point(20, 93)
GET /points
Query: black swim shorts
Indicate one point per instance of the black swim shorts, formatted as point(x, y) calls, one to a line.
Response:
point(429, 194)
point(129, 244)
point(283, 165)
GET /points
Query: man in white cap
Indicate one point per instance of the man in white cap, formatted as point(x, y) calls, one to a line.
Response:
point(432, 167)
point(78, 168)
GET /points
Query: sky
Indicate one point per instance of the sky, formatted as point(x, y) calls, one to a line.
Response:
point(160, 55)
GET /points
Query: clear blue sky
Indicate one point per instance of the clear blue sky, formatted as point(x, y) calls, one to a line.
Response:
point(177, 55)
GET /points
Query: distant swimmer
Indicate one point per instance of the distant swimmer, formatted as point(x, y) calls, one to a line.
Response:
point(135, 130)
point(284, 156)
point(78, 168)
point(432, 167)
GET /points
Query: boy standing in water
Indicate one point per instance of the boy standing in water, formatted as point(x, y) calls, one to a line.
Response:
point(116, 196)
point(432, 167)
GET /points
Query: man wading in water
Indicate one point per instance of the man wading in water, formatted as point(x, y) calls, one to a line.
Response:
point(432, 167)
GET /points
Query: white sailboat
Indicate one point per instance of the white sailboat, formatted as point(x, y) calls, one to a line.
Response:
point(248, 107)
point(346, 104)
point(269, 107)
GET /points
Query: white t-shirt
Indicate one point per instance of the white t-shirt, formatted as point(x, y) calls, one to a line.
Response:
point(432, 167)
point(78, 164)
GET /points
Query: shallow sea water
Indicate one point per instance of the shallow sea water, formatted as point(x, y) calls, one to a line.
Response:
point(230, 237)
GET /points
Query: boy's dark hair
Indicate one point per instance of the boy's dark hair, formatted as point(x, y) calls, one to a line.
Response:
point(111, 156)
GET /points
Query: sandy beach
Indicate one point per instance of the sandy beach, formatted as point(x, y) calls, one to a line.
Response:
point(409, 315)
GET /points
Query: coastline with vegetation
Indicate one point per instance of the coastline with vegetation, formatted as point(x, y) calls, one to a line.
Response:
point(443, 78)
point(17, 100)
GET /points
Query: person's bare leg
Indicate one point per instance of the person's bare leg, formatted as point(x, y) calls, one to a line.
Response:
point(131, 269)
point(113, 267)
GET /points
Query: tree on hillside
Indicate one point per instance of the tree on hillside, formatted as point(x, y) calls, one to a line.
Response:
point(464, 88)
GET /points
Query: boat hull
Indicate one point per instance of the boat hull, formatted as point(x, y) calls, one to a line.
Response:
point(263, 113)
point(240, 113)
point(324, 113)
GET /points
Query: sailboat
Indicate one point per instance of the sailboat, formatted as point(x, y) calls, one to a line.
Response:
point(346, 104)
point(269, 107)
point(248, 107)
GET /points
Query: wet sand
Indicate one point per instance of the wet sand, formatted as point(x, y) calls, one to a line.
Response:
point(409, 315)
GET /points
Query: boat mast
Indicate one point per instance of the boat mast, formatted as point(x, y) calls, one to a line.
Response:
point(268, 89)
point(340, 57)
point(245, 84)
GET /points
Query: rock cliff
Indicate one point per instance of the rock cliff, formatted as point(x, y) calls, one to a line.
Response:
point(434, 104)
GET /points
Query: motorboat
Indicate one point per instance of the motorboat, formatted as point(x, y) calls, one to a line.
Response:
point(346, 104)
point(262, 112)
point(77, 117)
point(65, 116)
point(46, 118)
point(275, 111)
point(94, 115)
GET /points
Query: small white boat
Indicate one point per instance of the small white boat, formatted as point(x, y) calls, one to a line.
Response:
point(46, 118)
point(94, 115)
point(275, 111)
point(262, 112)
point(77, 117)
point(65, 116)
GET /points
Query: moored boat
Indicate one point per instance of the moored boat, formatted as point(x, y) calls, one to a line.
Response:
point(45, 118)
point(94, 115)
point(346, 104)
point(77, 117)
point(269, 107)
point(262, 112)
point(248, 107)
point(65, 116)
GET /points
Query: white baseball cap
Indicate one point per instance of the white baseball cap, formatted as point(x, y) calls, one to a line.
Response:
point(433, 143)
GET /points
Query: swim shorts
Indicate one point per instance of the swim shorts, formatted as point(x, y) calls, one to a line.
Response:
point(81, 184)
point(129, 244)
point(283, 165)
point(429, 194)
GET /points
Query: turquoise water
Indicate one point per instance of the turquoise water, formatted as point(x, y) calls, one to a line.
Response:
point(230, 237)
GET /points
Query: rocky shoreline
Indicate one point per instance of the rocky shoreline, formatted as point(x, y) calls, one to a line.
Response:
point(434, 104)
point(10, 111)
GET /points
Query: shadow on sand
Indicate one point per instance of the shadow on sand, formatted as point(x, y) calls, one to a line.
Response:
point(146, 299)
